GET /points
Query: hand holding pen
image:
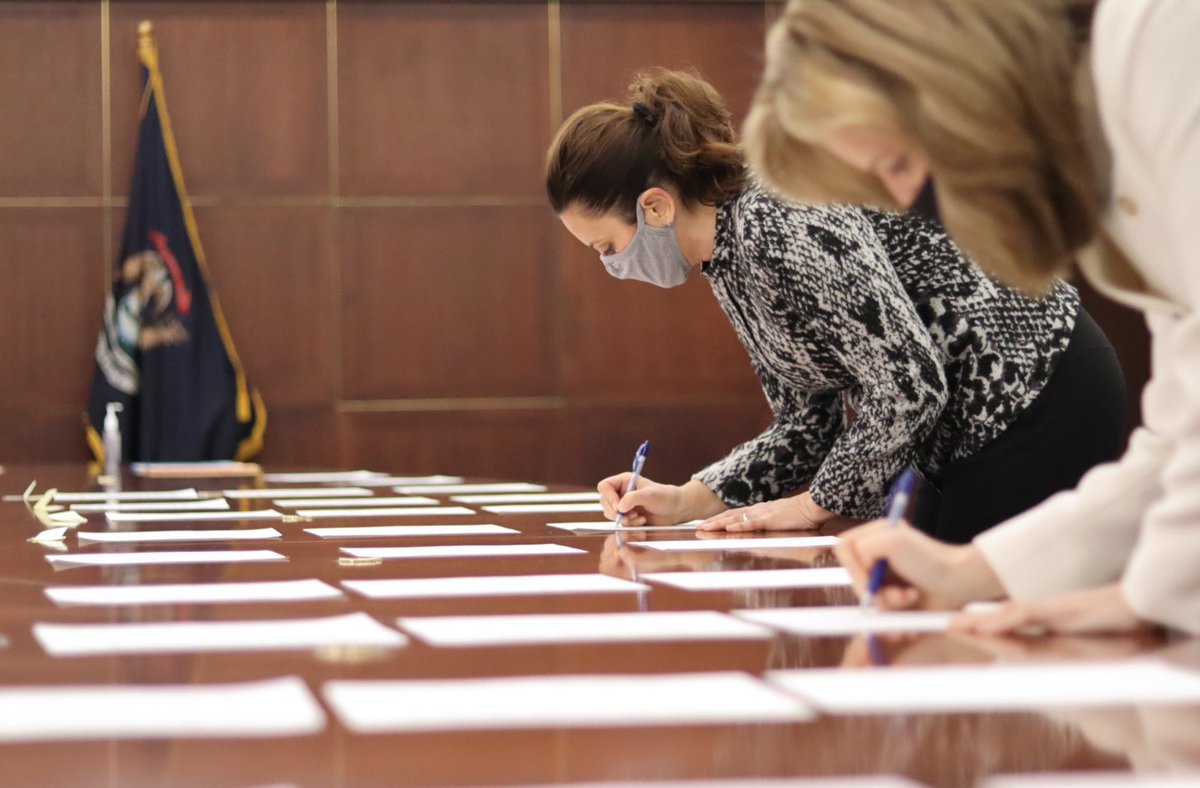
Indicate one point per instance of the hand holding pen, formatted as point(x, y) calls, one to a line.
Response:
point(639, 459)
point(901, 494)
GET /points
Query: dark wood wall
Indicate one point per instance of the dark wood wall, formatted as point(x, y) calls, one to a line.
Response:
point(366, 177)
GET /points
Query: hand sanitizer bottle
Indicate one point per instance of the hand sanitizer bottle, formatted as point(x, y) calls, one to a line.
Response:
point(112, 442)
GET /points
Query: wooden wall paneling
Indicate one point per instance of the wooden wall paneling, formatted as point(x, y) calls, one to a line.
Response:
point(50, 92)
point(442, 98)
point(50, 313)
point(246, 87)
point(446, 302)
point(506, 444)
point(302, 436)
point(604, 44)
point(272, 270)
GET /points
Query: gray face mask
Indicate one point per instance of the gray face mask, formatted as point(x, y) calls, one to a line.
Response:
point(652, 256)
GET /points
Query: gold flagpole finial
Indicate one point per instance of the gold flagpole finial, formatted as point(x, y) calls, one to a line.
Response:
point(147, 51)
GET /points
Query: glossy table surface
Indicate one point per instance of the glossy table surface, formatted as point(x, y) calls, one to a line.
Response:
point(934, 749)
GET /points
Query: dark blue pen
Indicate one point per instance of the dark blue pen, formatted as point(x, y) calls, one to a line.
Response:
point(639, 460)
point(902, 490)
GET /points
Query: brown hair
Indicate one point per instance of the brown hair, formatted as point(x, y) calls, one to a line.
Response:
point(984, 90)
point(675, 132)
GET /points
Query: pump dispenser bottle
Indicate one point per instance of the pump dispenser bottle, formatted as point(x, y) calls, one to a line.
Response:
point(112, 441)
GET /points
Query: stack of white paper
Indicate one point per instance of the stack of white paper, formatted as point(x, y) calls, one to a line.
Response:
point(846, 620)
point(201, 505)
point(559, 701)
point(180, 557)
point(352, 629)
point(524, 630)
point(605, 526)
point(173, 517)
point(117, 496)
point(262, 493)
point(740, 544)
point(375, 531)
point(378, 502)
point(462, 551)
point(970, 688)
point(178, 536)
point(543, 508)
point(570, 497)
point(752, 579)
point(277, 707)
point(396, 511)
point(417, 488)
point(194, 593)
point(514, 585)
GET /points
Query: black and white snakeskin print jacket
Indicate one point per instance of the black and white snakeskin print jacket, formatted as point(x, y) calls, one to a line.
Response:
point(842, 305)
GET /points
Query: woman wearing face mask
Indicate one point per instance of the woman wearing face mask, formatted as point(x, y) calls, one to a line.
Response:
point(1043, 147)
point(997, 399)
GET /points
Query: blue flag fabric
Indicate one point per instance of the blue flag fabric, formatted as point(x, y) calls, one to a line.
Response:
point(165, 352)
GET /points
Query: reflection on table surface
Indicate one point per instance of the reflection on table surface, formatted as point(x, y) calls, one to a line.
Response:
point(936, 749)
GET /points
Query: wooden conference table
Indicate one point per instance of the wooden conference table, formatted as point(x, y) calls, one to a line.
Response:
point(934, 749)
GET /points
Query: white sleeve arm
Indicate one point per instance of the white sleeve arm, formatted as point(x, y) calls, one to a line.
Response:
point(1162, 581)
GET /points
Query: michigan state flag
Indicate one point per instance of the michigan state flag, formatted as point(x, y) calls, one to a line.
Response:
point(165, 352)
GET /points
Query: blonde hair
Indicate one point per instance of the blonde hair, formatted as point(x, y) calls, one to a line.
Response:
point(984, 90)
point(676, 130)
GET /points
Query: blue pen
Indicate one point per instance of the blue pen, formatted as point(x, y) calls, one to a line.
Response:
point(902, 490)
point(639, 460)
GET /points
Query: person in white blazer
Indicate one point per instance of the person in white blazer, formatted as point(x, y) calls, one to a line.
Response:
point(987, 114)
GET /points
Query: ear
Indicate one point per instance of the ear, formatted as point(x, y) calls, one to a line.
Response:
point(659, 207)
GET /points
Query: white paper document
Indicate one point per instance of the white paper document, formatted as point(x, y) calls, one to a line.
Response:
point(417, 488)
point(1183, 779)
point(850, 620)
point(391, 511)
point(608, 526)
point(543, 508)
point(117, 496)
point(376, 531)
point(753, 579)
point(352, 629)
point(558, 702)
point(525, 630)
point(995, 687)
point(194, 593)
point(741, 544)
point(462, 551)
point(378, 502)
point(437, 480)
point(505, 585)
point(201, 505)
point(173, 517)
point(322, 477)
point(870, 781)
point(263, 493)
point(276, 707)
point(568, 497)
point(248, 534)
point(180, 557)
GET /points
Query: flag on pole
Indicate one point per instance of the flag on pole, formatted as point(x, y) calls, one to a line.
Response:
point(165, 351)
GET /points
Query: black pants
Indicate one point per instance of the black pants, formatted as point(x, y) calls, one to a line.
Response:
point(1077, 421)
